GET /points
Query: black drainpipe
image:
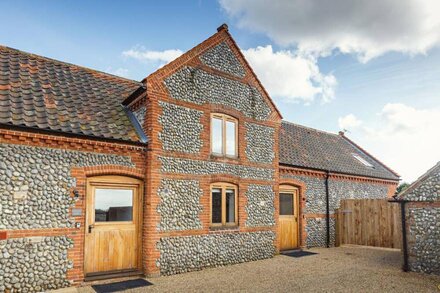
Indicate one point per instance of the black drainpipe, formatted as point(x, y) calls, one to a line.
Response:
point(327, 208)
point(404, 243)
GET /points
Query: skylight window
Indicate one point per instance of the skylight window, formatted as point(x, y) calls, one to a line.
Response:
point(362, 160)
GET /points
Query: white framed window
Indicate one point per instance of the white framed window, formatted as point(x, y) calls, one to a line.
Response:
point(362, 160)
point(224, 135)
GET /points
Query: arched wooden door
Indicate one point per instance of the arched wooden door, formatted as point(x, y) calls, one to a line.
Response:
point(288, 217)
point(113, 219)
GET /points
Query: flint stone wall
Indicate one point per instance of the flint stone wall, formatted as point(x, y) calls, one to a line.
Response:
point(260, 141)
point(180, 206)
point(41, 178)
point(27, 266)
point(260, 208)
point(192, 253)
point(424, 240)
point(317, 232)
point(181, 128)
point(199, 87)
point(140, 115)
point(196, 167)
point(222, 58)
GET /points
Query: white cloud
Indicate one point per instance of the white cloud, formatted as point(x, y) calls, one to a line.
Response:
point(349, 122)
point(290, 75)
point(365, 28)
point(163, 57)
point(118, 71)
point(406, 138)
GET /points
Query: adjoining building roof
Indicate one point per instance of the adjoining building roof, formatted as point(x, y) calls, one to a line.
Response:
point(46, 94)
point(425, 188)
point(305, 147)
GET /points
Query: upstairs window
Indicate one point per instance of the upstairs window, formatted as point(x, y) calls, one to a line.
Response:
point(362, 160)
point(224, 135)
point(224, 205)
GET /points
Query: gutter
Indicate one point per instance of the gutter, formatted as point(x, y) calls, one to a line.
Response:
point(30, 129)
point(396, 180)
point(402, 203)
point(327, 209)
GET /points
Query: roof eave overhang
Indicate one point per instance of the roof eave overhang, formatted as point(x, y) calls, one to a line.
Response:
point(70, 134)
point(338, 172)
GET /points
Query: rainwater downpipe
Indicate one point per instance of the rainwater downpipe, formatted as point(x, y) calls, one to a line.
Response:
point(327, 208)
point(404, 241)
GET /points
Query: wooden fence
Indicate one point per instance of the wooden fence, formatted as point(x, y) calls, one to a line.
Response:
point(372, 222)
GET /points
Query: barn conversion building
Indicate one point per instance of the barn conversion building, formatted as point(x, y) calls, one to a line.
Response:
point(192, 167)
point(421, 202)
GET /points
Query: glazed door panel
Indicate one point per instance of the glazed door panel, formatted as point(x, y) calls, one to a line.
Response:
point(112, 241)
point(288, 219)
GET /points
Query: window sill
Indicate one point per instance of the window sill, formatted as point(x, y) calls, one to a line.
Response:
point(219, 156)
point(224, 229)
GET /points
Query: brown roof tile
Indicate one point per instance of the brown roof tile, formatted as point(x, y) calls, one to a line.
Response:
point(311, 148)
point(48, 94)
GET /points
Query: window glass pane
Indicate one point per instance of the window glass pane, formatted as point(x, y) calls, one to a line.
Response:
point(286, 204)
point(230, 206)
point(113, 205)
point(217, 136)
point(230, 138)
point(216, 216)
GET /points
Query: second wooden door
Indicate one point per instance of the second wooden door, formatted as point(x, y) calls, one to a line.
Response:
point(112, 241)
point(288, 218)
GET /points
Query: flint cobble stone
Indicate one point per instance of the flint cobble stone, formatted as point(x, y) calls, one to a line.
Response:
point(43, 176)
point(222, 58)
point(191, 253)
point(260, 141)
point(181, 128)
point(199, 87)
point(187, 166)
point(316, 230)
point(260, 207)
point(180, 206)
point(37, 266)
point(424, 240)
point(344, 189)
point(140, 115)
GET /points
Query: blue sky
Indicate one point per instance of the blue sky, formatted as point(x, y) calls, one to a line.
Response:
point(383, 84)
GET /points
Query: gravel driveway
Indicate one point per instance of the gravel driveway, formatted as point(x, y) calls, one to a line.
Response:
point(342, 269)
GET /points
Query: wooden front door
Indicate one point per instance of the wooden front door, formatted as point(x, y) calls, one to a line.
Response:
point(288, 218)
point(112, 231)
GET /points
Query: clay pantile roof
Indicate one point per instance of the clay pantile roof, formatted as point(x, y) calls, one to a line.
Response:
point(47, 94)
point(305, 147)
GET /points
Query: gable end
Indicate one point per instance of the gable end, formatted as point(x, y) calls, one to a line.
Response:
point(222, 58)
point(200, 87)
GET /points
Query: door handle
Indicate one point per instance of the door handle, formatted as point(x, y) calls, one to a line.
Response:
point(91, 227)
